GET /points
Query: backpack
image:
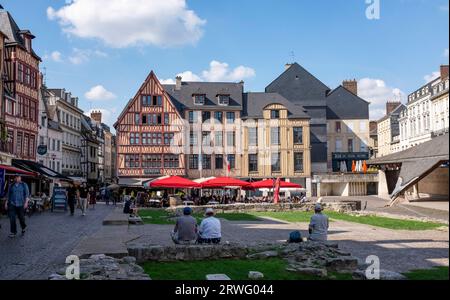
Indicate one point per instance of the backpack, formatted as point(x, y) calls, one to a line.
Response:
point(295, 237)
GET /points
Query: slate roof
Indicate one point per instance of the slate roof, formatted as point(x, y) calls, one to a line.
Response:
point(12, 31)
point(416, 162)
point(298, 85)
point(344, 105)
point(183, 100)
point(254, 104)
point(437, 147)
point(398, 110)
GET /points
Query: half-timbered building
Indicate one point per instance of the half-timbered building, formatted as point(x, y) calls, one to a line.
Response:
point(149, 132)
point(21, 89)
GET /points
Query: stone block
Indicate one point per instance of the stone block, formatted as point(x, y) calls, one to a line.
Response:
point(217, 277)
point(255, 275)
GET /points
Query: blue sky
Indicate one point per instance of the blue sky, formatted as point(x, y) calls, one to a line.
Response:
point(102, 50)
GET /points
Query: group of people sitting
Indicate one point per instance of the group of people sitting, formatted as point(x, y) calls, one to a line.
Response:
point(187, 232)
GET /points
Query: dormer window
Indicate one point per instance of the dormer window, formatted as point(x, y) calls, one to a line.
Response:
point(199, 99)
point(224, 100)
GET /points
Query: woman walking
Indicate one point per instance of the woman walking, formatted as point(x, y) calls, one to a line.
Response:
point(83, 199)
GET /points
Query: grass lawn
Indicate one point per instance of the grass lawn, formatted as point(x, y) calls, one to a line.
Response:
point(161, 217)
point(236, 269)
point(155, 216)
point(437, 273)
point(384, 222)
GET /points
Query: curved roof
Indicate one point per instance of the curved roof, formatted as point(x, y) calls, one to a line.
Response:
point(255, 103)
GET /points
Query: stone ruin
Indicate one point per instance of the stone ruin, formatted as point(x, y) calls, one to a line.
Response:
point(308, 258)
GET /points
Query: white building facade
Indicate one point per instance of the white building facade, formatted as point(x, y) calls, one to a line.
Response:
point(50, 133)
point(426, 113)
point(70, 122)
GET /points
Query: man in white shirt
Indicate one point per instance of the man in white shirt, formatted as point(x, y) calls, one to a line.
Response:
point(210, 229)
point(318, 227)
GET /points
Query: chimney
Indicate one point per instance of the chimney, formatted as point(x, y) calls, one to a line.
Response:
point(96, 116)
point(351, 85)
point(391, 106)
point(178, 83)
point(287, 66)
point(444, 72)
point(373, 126)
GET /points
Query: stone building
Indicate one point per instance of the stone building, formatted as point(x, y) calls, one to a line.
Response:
point(276, 139)
point(50, 133)
point(388, 129)
point(373, 139)
point(423, 114)
point(89, 151)
point(108, 165)
point(440, 103)
point(69, 115)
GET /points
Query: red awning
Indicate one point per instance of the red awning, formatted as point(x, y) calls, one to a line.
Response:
point(224, 182)
point(13, 170)
point(174, 182)
point(270, 184)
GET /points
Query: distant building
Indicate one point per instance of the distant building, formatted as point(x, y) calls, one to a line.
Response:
point(373, 139)
point(440, 103)
point(50, 152)
point(427, 112)
point(70, 116)
point(89, 151)
point(389, 130)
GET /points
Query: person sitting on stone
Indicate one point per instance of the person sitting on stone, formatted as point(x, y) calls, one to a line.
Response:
point(318, 227)
point(210, 229)
point(185, 231)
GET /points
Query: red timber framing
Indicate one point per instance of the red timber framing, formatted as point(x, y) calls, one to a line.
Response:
point(23, 83)
point(144, 130)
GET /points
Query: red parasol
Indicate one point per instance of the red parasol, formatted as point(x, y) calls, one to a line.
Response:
point(174, 182)
point(224, 182)
point(270, 183)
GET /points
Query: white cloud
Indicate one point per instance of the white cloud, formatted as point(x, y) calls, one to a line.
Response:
point(377, 92)
point(121, 24)
point(446, 53)
point(432, 76)
point(98, 92)
point(56, 56)
point(80, 56)
point(444, 8)
point(221, 72)
point(217, 72)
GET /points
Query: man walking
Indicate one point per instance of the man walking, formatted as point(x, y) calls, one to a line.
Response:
point(72, 197)
point(17, 203)
point(83, 199)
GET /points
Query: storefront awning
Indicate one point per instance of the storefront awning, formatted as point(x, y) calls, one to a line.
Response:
point(39, 168)
point(12, 171)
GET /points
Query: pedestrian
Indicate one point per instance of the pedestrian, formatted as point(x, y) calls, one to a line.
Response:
point(72, 198)
point(92, 197)
point(83, 199)
point(318, 227)
point(17, 203)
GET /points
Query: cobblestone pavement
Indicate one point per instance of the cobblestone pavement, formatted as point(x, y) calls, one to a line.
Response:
point(398, 250)
point(49, 240)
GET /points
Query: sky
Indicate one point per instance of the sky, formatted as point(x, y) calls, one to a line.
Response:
point(102, 50)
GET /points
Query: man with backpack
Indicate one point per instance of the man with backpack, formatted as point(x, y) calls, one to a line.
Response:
point(17, 203)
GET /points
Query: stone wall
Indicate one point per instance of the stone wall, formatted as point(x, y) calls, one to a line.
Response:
point(347, 206)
